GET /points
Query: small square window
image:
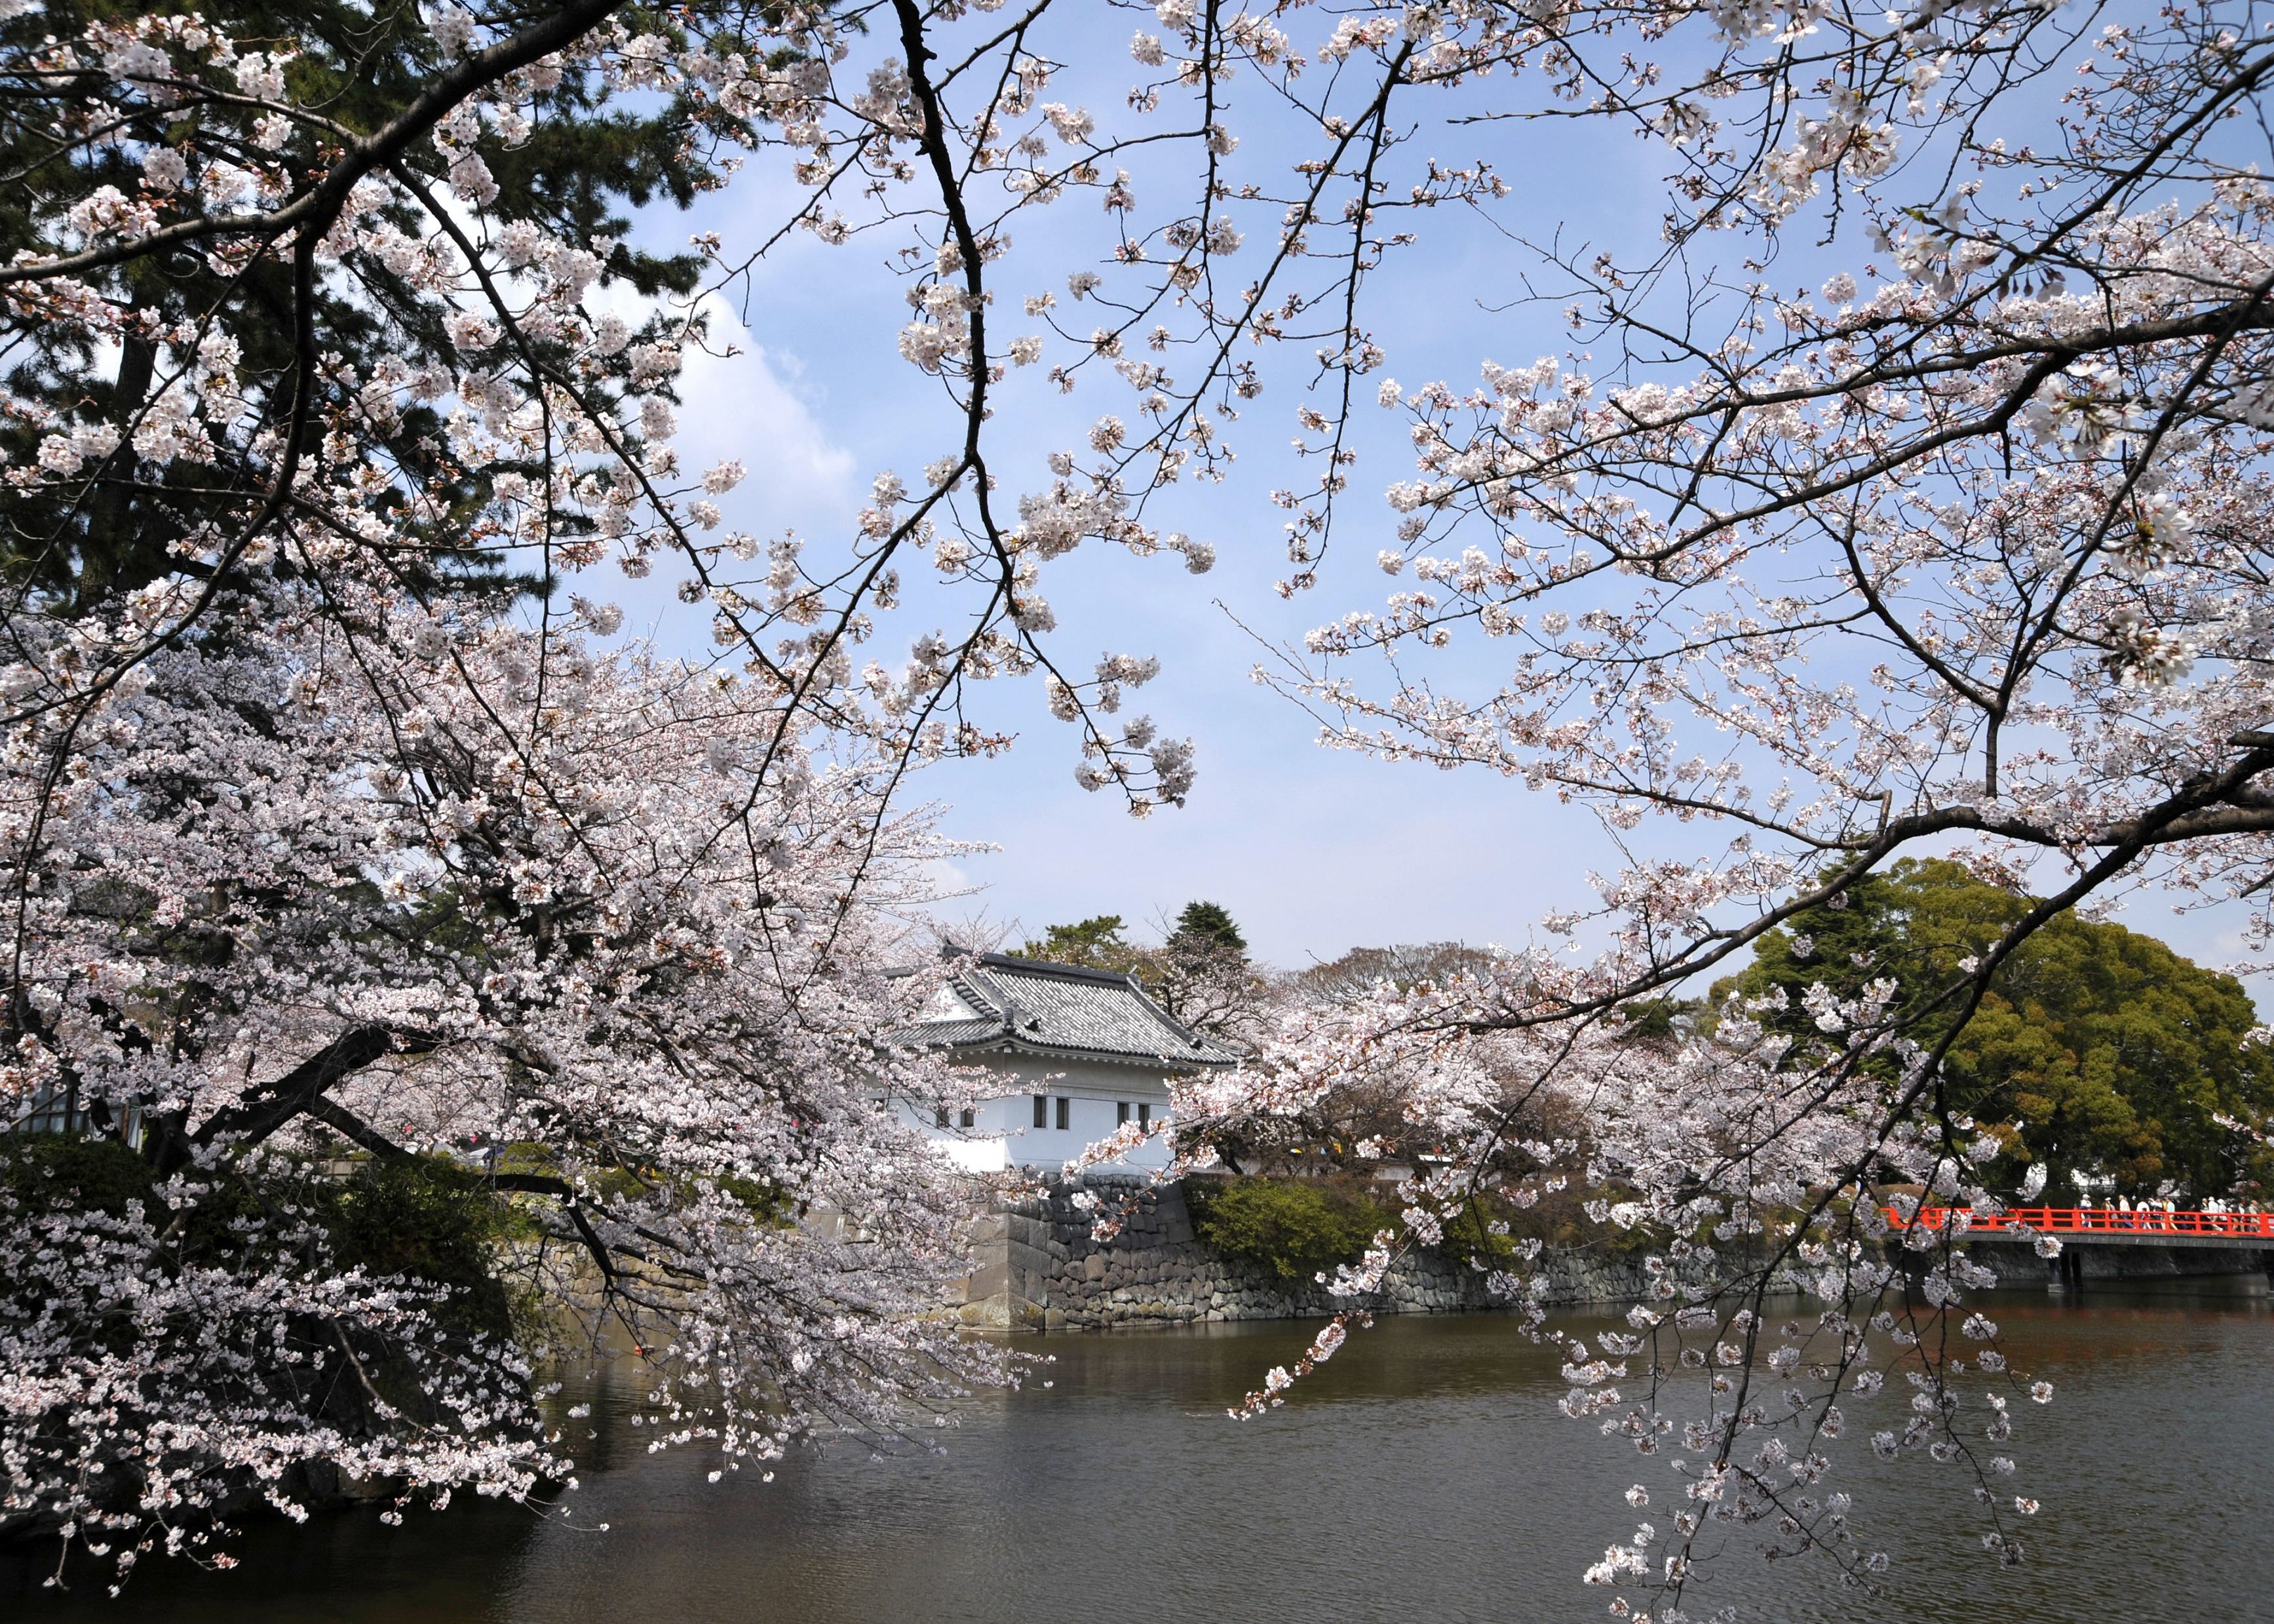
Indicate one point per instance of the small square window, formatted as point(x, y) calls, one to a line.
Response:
point(970, 1117)
point(1144, 1115)
point(1066, 1108)
point(1041, 1110)
point(1121, 1110)
point(940, 1121)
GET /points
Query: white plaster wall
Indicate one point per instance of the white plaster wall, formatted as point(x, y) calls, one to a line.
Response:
point(1002, 1133)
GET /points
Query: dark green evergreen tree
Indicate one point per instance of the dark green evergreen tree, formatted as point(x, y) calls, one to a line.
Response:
point(1206, 927)
point(303, 335)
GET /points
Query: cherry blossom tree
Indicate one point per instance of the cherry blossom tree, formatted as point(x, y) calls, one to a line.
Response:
point(1960, 550)
point(380, 312)
point(358, 874)
point(330, 825)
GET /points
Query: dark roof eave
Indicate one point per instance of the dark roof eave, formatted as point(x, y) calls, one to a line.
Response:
point(1006, 1044)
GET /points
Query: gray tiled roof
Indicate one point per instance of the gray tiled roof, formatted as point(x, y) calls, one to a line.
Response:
point(999, 1001)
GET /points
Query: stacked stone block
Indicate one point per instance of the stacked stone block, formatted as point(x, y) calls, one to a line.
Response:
point(1037, 1266)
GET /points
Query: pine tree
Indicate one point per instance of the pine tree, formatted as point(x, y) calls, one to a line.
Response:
point(1095, 944)
point(299, 337)
point(1207, 927)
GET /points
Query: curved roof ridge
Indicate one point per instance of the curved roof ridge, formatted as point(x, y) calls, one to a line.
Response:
point(1066, 1009)
point(1062, 972)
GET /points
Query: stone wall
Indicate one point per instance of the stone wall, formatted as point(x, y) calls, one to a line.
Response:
point(1036, 1266)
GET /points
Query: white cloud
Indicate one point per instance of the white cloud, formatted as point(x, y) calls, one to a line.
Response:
point(743, 406)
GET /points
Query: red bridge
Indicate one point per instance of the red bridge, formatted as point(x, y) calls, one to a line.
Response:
point(2112, 1223)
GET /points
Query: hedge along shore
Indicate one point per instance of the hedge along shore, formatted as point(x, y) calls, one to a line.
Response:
point(1036, 1266)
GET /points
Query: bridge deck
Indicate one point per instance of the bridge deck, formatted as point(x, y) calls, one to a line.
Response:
point(2137, 1226)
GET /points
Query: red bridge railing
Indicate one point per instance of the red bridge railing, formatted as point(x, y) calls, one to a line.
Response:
point(2096, 1220)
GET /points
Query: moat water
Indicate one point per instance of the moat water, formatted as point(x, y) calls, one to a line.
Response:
point(1423, 1475)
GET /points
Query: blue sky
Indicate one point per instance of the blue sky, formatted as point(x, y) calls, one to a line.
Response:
point(1313, 850)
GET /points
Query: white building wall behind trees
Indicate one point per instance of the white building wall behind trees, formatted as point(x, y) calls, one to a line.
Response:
point(1002, 1133)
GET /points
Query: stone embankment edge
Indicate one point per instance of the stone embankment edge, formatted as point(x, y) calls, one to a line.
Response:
point(1036, 1266)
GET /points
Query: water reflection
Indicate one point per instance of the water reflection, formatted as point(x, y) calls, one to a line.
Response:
point(1424, 1476)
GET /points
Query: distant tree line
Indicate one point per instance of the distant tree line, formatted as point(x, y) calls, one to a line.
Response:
point(2098, 1052)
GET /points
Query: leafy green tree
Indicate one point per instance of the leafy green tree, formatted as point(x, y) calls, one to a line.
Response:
point(1201, 974)
point(1204, 977)
point(2096, 1049)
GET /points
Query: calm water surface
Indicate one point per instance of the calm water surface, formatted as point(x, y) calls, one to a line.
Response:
point(1424, 1476)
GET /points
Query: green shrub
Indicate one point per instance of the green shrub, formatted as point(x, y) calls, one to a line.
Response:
point(429, 1218)
point(1294, 1227)
point(42, 1171)
point(1469, 1237)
